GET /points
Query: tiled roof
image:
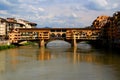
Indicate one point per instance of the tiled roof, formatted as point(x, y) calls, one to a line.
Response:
point(28, 22)
point(11, 20)
point(2, 19)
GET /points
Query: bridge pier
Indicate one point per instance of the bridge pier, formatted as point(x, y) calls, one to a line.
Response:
point(42, 43)
point(74, 42)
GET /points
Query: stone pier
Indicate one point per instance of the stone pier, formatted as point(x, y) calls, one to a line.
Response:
point(42, 43)
point(74, 42)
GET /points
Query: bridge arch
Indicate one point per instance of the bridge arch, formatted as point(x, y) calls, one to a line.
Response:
point(52, 35)
point(59, 43)
point(64, 35)
point(58, 35)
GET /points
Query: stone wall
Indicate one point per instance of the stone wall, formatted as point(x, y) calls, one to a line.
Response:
point(4, 43)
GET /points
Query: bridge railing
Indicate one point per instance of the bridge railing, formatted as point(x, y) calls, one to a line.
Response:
point(28, 38)
point(86, 38)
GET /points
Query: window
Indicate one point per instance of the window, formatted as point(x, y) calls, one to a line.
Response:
point(58, 30)
point(63, 30)
point(52, 30)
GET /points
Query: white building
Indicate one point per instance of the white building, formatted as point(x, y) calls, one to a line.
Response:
point(3, 28)
point(27, 23)
point(6, 25)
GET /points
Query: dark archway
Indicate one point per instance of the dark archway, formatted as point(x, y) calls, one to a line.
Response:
point(52, 36)
point(58, 35)
point(64, 36)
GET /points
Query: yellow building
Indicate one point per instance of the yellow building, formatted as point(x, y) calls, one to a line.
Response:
point(14, 36)
point(100, 22)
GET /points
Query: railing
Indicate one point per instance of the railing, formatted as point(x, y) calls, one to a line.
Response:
point(60, 38)
point(28, 38)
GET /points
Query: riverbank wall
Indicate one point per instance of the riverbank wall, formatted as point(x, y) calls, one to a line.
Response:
point(6, 45)
point(4, 42)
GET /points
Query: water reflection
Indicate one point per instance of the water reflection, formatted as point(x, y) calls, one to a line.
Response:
point(59, 63)
point(2, 61)
point(75, 55)
point(13, 58)
point(43, 54)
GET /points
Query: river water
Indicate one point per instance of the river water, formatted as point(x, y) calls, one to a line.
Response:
point(58, 61)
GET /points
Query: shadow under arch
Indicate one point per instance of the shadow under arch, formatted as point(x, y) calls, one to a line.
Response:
point(25, 42)
point(59, 43)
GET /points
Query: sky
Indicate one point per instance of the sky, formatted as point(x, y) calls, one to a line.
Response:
point(58, 13)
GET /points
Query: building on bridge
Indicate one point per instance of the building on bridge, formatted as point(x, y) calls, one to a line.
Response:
point(45, 35)
point(14, 36)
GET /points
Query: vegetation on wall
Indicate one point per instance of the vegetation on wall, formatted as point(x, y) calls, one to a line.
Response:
point(7, 47)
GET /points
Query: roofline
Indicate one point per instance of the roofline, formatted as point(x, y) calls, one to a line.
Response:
point(57, 28)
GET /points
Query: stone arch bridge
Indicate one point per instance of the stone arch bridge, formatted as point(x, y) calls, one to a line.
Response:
point(44, 35)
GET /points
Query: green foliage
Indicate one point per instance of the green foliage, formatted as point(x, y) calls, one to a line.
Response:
point(7, 47)
point(29, 43)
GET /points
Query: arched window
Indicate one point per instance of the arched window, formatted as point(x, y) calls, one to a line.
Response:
point(64, 35)
point(58, 35)
point(52, 35)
